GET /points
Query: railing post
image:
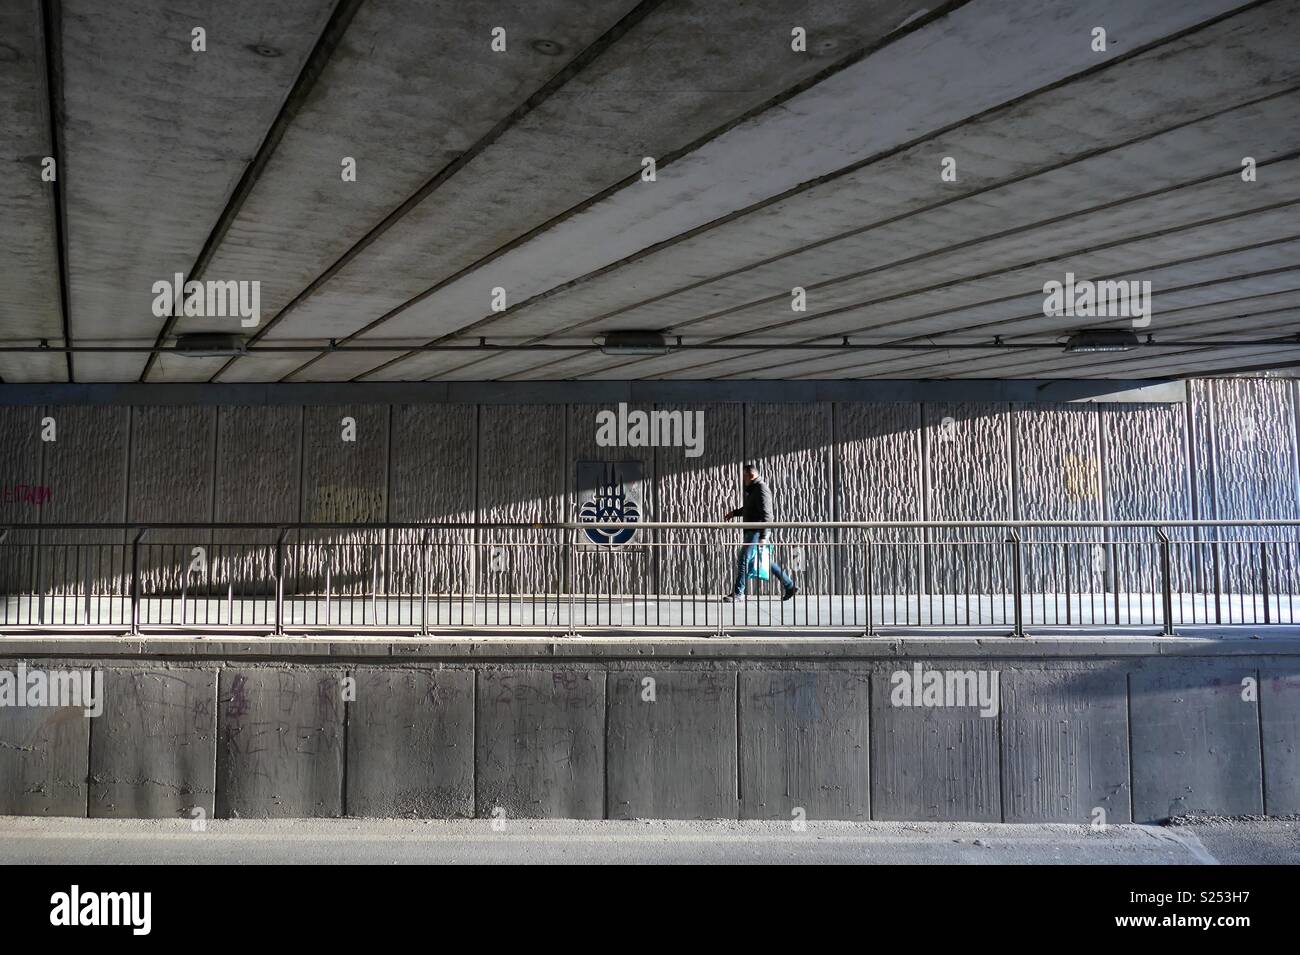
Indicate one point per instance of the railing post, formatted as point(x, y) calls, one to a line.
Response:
point(1017, 583)
point(1166, 583)
point(866, 585)
point(1263, 580)
point(135, 583)
point(424, 584)
point(572, 579)
point(279, 583)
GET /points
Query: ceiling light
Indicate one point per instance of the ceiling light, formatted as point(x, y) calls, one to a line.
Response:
point(634, 343)
point(209, 344)
point(1101, 339)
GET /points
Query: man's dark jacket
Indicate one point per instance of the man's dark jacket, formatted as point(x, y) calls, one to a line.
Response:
point(757, 508)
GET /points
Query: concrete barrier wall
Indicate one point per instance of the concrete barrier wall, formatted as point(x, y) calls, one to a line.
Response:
point(768, 732)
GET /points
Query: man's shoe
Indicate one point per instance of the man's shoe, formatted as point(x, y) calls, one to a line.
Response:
point(789, 592)
point(733, 598)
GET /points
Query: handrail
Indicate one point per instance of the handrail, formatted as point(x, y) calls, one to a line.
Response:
point(553, 578)
point(643, 525)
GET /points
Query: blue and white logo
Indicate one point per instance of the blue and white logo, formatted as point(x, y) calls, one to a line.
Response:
point(610, 502)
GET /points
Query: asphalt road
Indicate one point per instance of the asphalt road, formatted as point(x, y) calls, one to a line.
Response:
point(25, 840)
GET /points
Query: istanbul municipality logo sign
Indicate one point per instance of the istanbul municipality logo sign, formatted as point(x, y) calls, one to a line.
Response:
point(610, 502)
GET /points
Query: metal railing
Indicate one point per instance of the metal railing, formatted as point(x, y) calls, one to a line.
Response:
point(860, 577)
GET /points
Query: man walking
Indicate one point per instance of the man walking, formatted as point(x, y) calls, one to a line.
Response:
point(757, 509)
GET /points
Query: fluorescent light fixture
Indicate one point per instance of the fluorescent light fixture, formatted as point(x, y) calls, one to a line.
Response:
point(634, 343)
point(209, 344)
point(1101, 339)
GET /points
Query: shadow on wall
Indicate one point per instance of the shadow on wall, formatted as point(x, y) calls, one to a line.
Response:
point(1231, 453)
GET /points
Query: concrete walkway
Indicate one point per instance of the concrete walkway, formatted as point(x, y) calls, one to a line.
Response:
point(323, 841)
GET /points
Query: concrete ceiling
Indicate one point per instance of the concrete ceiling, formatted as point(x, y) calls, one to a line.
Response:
point(521, 169)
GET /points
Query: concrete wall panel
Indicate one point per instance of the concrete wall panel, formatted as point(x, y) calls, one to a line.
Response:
point(259, 459)
point(1255, 477)
point(258, 473)
point(878, 478)
point(1279, 707)
point(539, 744)
point(1065, 745)
point(521, 478)
point(671, 745)
point(171, 463)
point(85, 471)
point(154, 750)
point(411, 744)
point(21, 503)
point(20, 464)
point(792, 445)
point(1146, 476)
point(932, 762)
point(968, 474)
point(700, 488)
point(280, 743)
point(804, 744)
point(171, 480)
point(343, 481)
point(630, 569)
point(433, 479)
point(1195, 742)
point(1057, 476)
point(44, 753)
point(433, 462)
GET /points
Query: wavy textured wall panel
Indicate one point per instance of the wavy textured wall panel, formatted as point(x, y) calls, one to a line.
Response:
point(1058, 477)
point(1146, 477)
point(171, 480)
point(878, 458)
point(522, 468)
point(630, 569)
point(343, 481)
point(434, 448)
point(968, 459)
point(258, 473)
point(1254, 478)
point(792, 445)
point(20, 450)
point(700, 489)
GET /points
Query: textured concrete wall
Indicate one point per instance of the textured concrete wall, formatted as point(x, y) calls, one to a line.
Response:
point(702, 488)
point(1078, 737)
point(433, 479)
point(280, 742)
point(1195, 741)
point(539, 743)
point(671, 745)
point(1065, 745)
point(1230, 453)
point(521, 479)
point(968, 478)
point(805, 744)
point(1057, 476)
point(879, 477)
point(154, 750)
point(410, 743)
point(44, 752)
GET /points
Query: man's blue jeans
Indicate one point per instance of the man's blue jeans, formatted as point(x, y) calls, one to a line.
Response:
point(746, 554)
